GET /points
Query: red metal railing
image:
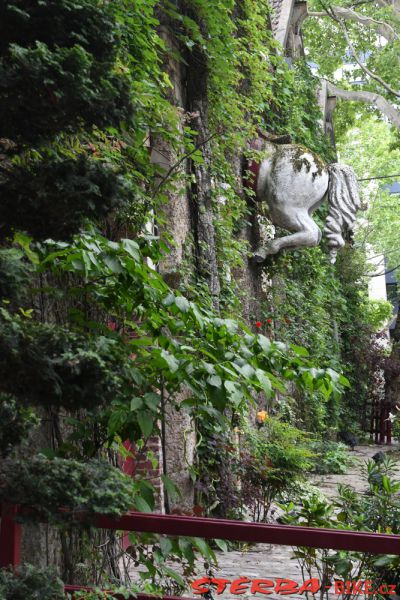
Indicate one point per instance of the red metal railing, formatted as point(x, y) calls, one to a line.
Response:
point(78, 588)
point(287, 535)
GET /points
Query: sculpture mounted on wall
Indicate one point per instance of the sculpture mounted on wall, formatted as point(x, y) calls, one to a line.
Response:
point(294, 182)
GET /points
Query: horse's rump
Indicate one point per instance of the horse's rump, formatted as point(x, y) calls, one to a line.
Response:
point(294, 182)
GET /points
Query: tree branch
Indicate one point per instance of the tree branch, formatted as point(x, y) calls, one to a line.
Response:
point(384, 272)
point(363, 66)
point(384, 29)
point(370, 98)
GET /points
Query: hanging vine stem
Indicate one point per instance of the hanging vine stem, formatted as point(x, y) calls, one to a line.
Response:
point(180, 161)
point(163, 444)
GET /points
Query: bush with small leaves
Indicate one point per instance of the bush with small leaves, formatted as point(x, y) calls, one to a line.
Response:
point(14, 274)
point(330, 457)
point(43, 92)
point(50, 198)
point(46, 485)
point(47, 365)
point(15, 423)
point(59, 23)
point(30, 583)
point(376, 510)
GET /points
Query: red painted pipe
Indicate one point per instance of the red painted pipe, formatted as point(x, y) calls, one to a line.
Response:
point(10, 536)
point(286, 535)
point(139, 596)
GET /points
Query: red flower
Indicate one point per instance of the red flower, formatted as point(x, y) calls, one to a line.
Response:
point(258, 324)
point(269, 321)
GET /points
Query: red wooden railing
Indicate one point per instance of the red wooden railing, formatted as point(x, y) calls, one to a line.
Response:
point(287, 535)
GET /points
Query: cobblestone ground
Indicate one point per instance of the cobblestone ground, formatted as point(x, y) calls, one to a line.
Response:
point(266, 561)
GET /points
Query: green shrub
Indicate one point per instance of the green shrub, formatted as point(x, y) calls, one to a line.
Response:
point(30, 583)
point(396, 429)
point(59, 23)
point(331, 457)
point(378, 313)
point(14, 274)
point(58, 68)
point(43, 92)
point(15, 423)
point(94, 487)
point(49, 198)
point(271, 461)
point(47, 365)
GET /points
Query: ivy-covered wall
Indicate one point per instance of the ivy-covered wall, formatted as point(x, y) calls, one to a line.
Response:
point(131, 308)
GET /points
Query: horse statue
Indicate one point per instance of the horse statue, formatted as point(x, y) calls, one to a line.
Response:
point(294, 182)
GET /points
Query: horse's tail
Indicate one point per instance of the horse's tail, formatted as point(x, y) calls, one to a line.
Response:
point(344, 201)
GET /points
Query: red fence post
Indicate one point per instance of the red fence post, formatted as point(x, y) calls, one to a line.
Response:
point(10, 537)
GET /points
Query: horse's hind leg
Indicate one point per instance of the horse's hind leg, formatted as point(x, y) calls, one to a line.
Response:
point(307, 233)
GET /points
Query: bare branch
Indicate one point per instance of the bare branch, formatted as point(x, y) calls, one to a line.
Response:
point(363, 66)
point(384, 29)
point(370, 98)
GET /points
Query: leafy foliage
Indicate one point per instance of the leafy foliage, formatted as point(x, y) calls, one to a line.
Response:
point(294, 110)
point(272, 460)
point(76, 92)
point(325, 309)
point(59, 23)
point(14, 274)
point(330, 457)
point(268, 462)
point(16, 421)
point(52, 80)
point(358, 45)
point(380, 313)
point(158, 555)
point(371, 148)
point(129, 343)
point(51, 196)
point(216, 358)
point(46, 485)
point(29, 583)
point(49, 366)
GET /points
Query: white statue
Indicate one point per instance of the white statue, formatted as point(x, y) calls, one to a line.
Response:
point(294, 182)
